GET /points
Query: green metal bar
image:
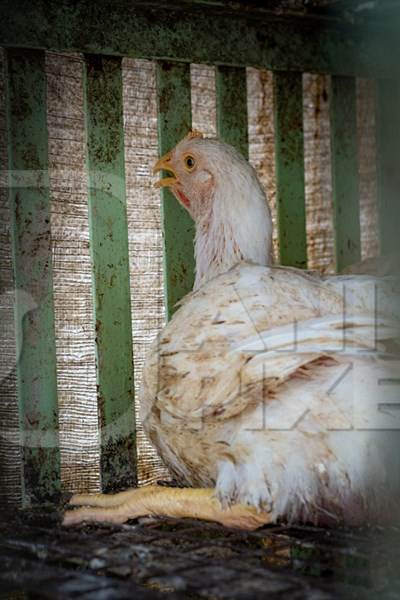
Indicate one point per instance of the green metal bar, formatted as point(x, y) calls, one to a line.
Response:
point(231, 92)
point(32, 260)
point(109, 250)
point(388, 167)
point(289, 157)
point(343, 119)
point(174, 122)
point(181, 30)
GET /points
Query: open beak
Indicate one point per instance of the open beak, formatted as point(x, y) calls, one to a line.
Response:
point(164, 164)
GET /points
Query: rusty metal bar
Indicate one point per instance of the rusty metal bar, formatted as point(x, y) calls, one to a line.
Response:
point(289, 156)
point(109, 250)
point(32, 261)
point(343, 119)
point(174, 122)
point(231, 92)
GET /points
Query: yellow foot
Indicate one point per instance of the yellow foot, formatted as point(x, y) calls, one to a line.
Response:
point(162, 501)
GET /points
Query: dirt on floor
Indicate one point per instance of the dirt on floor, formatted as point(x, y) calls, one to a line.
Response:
point(190, 559)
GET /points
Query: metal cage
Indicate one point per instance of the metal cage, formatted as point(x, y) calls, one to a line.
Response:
point(229, 36)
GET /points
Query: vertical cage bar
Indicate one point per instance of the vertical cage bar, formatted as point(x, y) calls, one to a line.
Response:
point(343, 120)
point(110, 263)
point(32, 262)
point(388, 167)
point(174, 116)
point(231, 94)
point(289, 157)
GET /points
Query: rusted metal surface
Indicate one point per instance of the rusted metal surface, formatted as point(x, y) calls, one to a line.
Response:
point(343, 118)
point(32, 261)
point(174, 122)
point(289, 160)
point(110, 263)
point(231, 93)
point(220, 33)
point(190, 559)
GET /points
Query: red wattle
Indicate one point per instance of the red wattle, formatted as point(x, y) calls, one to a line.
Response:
point(184, 199)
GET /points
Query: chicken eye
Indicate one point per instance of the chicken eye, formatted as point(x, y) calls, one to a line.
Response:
point(189, 162)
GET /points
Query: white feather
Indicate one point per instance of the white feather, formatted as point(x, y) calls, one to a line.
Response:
point(240, 227)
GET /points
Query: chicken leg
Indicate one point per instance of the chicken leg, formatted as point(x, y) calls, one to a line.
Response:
point(162, 501)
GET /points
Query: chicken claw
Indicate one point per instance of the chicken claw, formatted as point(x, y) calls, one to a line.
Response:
point(162, 501)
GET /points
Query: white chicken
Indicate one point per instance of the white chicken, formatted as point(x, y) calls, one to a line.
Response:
point(264, 392)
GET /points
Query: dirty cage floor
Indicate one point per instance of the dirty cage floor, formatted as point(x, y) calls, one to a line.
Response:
point(189, 559)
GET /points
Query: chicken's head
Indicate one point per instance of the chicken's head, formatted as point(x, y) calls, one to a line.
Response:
point(198, 167)
point(191, 175)
point(223, 195)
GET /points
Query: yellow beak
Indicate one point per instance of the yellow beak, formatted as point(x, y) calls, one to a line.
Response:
point(164, 164)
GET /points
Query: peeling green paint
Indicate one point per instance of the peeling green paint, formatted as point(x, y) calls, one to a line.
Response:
point(289, 157)
point(110, 264)
point(231, 92)
point(388, 167)
point(233, 35)
point(174, 122)
point(32, 262)
point(343, 119)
